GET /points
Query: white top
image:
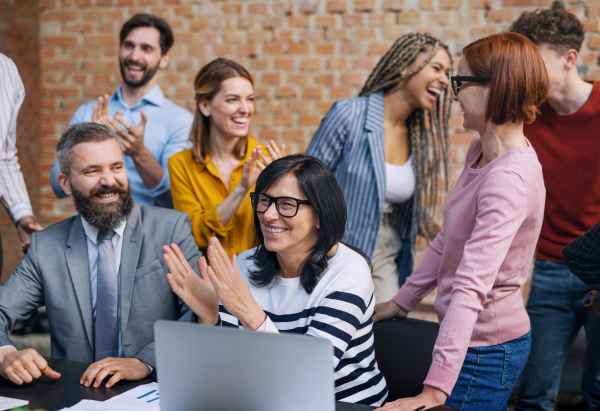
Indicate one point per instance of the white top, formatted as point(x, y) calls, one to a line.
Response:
point(13, 192)
point(399, 182)
point(340, 309)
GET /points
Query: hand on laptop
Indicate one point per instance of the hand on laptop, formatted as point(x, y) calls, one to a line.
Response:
point(130, 369)
point(196, 292)
point(24, 366)
point(232, 289)
point(429, 398)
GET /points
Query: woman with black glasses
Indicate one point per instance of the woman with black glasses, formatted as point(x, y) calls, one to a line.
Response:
point(299, 279)
point(480, 260)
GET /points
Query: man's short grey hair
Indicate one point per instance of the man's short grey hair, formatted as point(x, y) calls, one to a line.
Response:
point(77, 134)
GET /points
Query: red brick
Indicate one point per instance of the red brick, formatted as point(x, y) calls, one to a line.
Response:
point(338, 34)
point(450, 4)
point(261, 120)
point(310, 92)
point(382, 19)
point(294, 135)
point(326, 21)
point(353, 79)
point(297, 79)
point(337, 63)
point(311, 64)
point(257, 8)
point(497, 16)
point(341, 92)
point(268, 134)
point(271, 78)
point(325, 79)
point(377, 49)
point(308, 7)
point(410, 18)
point(232, 8)
point(285, 92)
point(300, 106)
point(299, 21)
point(298, 48)
point(326, 49)
point(284, 63)
point(273, 23)
point(594, 42)
point(60, 41)
point(272, 48)
point(353, 19)
point(351, 48)
point(274, 107)
point(392, 5)
point(184, 11)
point(480, 4)
point(364, 5)
point(309, 120)
point(283, 120)
point(336, 6)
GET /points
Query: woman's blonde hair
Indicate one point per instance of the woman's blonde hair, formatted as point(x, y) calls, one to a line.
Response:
point(207, 84)
point(428, 129)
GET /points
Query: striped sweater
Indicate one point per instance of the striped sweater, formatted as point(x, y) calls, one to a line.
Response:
point(340, 309)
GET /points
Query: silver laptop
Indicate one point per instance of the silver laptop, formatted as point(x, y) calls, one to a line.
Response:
point(211, 368)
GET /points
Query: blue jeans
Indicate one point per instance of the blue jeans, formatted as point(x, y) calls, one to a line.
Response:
point(557, 314)
point(489, 375)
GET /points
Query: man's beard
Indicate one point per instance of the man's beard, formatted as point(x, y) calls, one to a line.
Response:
point(148, 73)
point(104, 216)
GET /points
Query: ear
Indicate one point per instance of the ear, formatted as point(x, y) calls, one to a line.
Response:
point(203, 106)
point(63, 180)
point(164, 60)
point(571, 59)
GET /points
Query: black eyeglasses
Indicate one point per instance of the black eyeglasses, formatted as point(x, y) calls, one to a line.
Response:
point(285, 206)
point(457, 81)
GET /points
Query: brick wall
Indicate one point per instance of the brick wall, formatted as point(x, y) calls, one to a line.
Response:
point(19, 34)
point(304, 55)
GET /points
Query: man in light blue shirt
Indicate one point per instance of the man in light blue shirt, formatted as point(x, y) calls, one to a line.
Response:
point(151, 127)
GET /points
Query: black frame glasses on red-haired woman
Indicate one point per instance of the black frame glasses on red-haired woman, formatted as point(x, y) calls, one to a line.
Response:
point(285, 206)
point(457, 81)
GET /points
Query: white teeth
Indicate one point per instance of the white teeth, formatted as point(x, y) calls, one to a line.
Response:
point(106, 195)
point(240, 120)
point(276, 230)
point(435, 91)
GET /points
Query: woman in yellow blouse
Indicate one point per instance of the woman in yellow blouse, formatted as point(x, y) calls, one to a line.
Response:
point(212, 180)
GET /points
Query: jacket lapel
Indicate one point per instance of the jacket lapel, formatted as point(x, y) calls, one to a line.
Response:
point(374, 128)
point(79, 268)
point(130, 252)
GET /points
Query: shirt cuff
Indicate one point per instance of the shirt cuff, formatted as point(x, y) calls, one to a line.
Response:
point(441, 377)
point(405, 299)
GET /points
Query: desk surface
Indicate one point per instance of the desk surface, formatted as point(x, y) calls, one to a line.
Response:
point(66, 391)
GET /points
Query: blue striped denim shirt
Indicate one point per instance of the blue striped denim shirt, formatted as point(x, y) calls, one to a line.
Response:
point(350, 143)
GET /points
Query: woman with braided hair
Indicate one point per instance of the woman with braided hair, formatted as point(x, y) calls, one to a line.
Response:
point(388, 148)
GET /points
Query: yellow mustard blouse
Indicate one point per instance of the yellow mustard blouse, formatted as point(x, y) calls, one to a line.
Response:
point(198, 189)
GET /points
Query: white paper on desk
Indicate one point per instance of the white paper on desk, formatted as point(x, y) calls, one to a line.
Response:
point(144, 397)
point(90, 405)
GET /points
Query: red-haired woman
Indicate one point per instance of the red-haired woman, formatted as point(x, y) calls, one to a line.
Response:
point(481, 258)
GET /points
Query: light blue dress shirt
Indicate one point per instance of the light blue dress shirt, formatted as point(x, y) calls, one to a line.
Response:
point(167, 133)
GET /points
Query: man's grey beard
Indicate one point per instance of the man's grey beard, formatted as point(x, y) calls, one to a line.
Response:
point(148, 74)
point(104, 217)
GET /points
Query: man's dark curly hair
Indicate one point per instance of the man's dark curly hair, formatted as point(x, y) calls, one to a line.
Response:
point(559, 28)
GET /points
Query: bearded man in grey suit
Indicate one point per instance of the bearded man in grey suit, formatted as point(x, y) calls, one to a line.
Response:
point(100, 273)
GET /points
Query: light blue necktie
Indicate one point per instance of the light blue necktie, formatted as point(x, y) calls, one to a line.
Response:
point(106, 330)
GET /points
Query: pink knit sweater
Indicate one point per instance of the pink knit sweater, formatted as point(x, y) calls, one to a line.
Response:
point(480, 259)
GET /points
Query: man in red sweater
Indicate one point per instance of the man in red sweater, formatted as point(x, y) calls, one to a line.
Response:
point(567, 141)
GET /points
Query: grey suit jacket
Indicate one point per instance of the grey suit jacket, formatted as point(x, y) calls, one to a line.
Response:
point(55, 272)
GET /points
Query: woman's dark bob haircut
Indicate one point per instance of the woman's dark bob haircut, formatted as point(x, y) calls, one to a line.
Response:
point(518, 78)
point(320, 187)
